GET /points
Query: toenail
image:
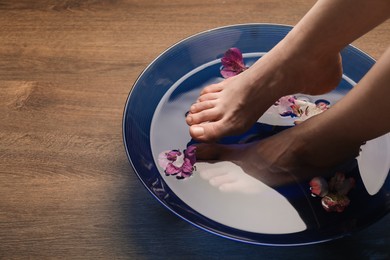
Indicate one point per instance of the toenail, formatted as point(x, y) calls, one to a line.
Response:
point(198, 131)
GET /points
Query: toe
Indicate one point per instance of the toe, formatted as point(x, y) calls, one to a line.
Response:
point(200, 106)
point(209, 131)
point(196, 131)
point(204, 116)
point(212, 88)
point(208, 96)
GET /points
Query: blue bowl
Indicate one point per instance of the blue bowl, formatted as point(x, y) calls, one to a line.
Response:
point(154, 121)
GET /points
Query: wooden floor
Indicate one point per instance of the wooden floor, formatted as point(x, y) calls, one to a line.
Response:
point(66, 187)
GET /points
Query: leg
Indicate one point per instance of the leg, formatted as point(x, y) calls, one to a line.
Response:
point(306, 61)
point(321, 142)
point(360, 116)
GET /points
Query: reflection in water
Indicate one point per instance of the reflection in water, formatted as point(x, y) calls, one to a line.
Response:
point(278, 216)
point(229, 177)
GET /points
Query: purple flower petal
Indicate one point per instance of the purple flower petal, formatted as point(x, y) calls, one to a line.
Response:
point(172, 155)
point(187, 168)
point(233, 57)
point(162, 160)
point(176, 163)
point(167, 156)
point(172, 169)
point(228, 74)
point(233, 63)
point(190, 153)
point(334, 192)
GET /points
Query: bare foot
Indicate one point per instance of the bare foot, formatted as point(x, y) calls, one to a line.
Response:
point(234, 105)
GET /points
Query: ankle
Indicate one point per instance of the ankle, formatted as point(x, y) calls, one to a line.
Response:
point(272, 75)
point(317, 148)
point(312, 69)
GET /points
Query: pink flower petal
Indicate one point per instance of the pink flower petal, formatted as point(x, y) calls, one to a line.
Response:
point(187, 168)
point(190, 153)
point(176, 163)
point(233, 63)
point(319, 186)
point(228, 74)
point(167, 156)
point(172, 155)
point(172, 169)
point(162, 160)
point(233, 57)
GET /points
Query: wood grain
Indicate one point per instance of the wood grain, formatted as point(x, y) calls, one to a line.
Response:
point(66, 187)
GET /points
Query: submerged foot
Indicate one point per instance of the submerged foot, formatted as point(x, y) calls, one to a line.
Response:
point(284, 158)
point(249, 159)
point(234, 105)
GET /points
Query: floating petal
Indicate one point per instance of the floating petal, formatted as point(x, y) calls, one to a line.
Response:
point(335, 202)
point(233, 63)
point(172, 169)
point(172, 155)
point(319, 186)
point(187, 168)
point(162, 160)
point(190, 153)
